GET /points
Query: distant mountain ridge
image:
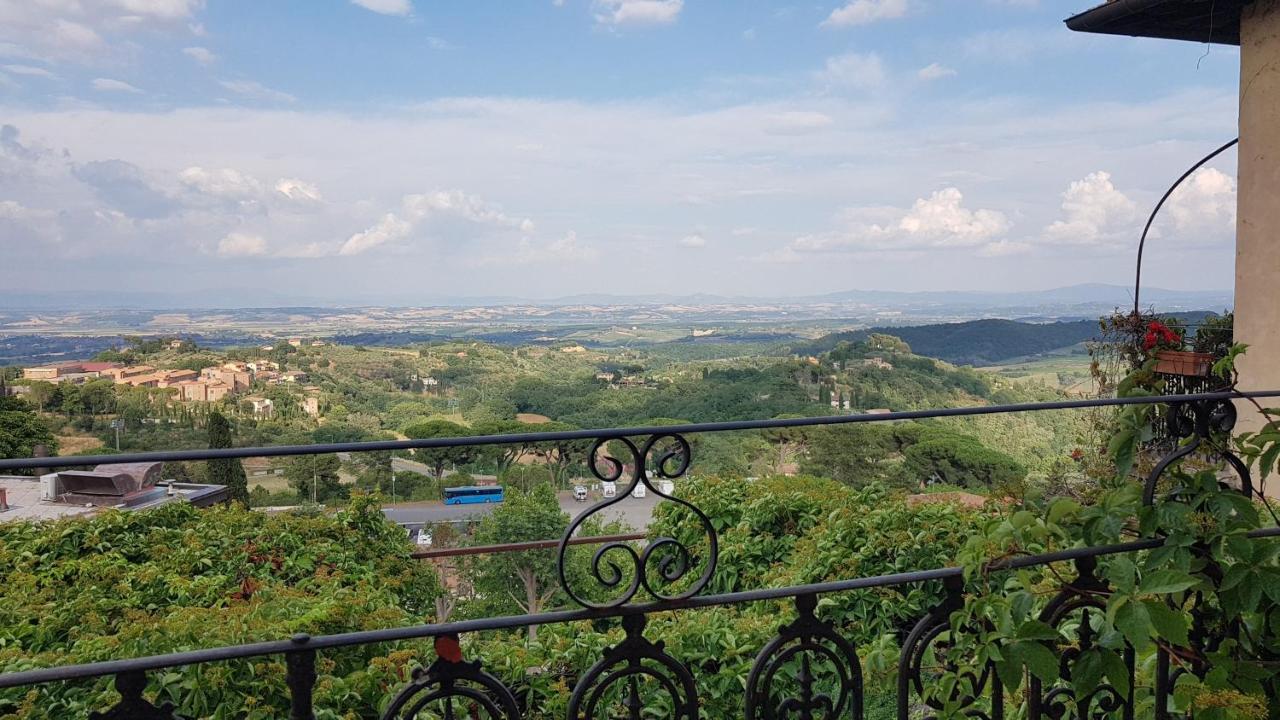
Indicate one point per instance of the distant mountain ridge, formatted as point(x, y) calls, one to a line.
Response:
point(982, 342)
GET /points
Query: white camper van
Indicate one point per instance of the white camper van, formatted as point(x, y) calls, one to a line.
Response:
point(609, 489)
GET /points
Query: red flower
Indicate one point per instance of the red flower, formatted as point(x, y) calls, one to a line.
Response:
point(1159, 334)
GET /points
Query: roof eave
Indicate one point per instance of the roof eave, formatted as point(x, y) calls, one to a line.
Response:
point(1194, 20)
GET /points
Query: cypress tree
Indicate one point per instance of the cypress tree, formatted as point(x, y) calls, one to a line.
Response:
point(228, 471)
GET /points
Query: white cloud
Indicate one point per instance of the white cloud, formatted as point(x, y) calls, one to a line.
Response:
point(1094, 213)
point(637, 12)
point(223, 183)
point(852, 71)
point(566, 249)
point(864, 12)
point(75, 36)
point(1203, 208)
point(28, 70)
point(256, 91)
point(159, 9)
point(1004, 248)
point(298, 190)
point(938, 221)
point(389, 229)
point(695, 240)
point(86, 32)
point(934, 71)
point(426, 207)
point(242, 245)
point(113, 85)
point(201, 55)
point(386, 7)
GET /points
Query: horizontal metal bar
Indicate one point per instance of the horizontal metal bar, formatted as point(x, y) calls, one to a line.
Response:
point(521, 546)
point(612, 433)
point(416, 632)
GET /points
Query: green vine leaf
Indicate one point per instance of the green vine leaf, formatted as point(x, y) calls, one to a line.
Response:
point(1036, 630)
point(1036, 658)
point(1169, 624)
point(1134, 622)
point(1164, 582)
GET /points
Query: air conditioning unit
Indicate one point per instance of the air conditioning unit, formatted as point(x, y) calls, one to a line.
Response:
point(50, 487)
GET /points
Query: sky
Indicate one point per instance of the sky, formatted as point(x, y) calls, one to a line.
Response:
point(348, 152)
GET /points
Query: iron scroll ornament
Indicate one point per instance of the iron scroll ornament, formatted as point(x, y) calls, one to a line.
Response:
point(1075, 605)
point(453, 688)
point(635, 678)
point(1196, 423)
point(669, 455)
point(827, 685)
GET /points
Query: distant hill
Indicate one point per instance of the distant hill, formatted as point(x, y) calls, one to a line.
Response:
point(982, 342)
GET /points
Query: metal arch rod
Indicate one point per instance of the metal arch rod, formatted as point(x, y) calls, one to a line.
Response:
point(366, 637)
point(1142, 241)
point(612, 433)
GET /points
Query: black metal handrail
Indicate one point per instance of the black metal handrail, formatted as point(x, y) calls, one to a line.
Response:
point(617, 433)
point(673, 577)
point(303, 641)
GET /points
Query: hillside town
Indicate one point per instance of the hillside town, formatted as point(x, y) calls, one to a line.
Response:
point(207, 385)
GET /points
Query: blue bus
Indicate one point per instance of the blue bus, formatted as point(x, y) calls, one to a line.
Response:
point(473, 494)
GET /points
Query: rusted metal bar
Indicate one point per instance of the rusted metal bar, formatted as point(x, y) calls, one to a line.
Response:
point(519, 547)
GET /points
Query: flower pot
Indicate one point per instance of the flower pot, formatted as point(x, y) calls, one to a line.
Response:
point(1184, 362)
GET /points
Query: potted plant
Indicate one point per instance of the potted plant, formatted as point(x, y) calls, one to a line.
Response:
point(1166, 345)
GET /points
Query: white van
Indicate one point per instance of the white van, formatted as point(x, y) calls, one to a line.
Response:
point(666, 487)
point(638, 491)
point(609, 489)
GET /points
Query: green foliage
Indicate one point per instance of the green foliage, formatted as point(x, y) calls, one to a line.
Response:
point(976, 342)
point(1206, 594)
point(126, 584)
point(438, 459)
point(21, 430)
point(228, 471)
point(960, 461)
point(315, 477)
point(519, 581)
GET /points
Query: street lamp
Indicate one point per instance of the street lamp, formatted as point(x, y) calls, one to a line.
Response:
point(393, 486)
point(116, 425)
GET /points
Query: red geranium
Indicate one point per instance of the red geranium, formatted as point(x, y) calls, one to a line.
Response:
point(1159, 334)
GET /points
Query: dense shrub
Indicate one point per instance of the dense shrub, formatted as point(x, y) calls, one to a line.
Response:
point(177, 578)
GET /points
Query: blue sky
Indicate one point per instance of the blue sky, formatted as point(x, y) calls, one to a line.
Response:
point(393, 151)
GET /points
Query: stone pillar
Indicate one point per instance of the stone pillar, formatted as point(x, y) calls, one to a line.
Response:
point(1257, 301)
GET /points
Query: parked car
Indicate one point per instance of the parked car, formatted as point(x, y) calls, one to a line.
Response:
point(580, 493)
point(638, 491)
point(424, 538)
point(609, 489)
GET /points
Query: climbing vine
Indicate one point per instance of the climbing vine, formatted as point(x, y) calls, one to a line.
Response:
point(1190, 622)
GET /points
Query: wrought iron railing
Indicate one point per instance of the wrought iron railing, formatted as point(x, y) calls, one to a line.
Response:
point(809, 669)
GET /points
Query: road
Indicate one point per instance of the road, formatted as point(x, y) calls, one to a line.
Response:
point(635, 512)
point(405, 465)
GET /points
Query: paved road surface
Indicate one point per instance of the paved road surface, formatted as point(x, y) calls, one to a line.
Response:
point(635, 512)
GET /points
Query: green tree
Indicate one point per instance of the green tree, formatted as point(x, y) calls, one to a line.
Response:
point(42, 394)
point(502, 457)
point(560, 455)
point(529, 577)
point(21, 430)
point(959, 460)
point(853, 454)
point(315, 477)
point(226, 471)
point(438, 459)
